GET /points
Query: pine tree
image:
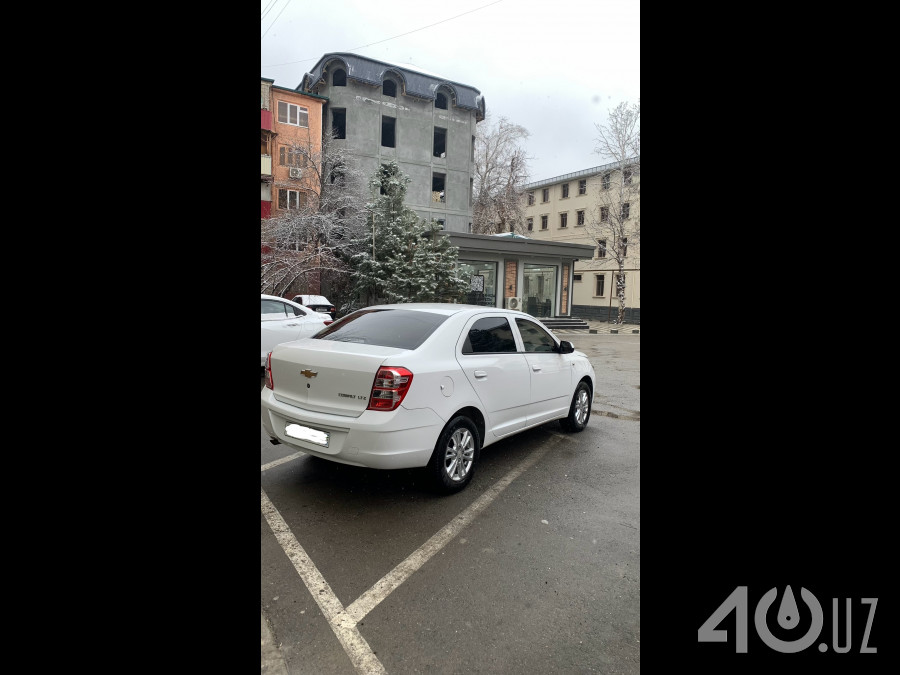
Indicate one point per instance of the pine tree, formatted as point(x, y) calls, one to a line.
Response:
point(413, 261)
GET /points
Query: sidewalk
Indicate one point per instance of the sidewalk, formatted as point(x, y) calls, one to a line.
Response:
point(602, 327)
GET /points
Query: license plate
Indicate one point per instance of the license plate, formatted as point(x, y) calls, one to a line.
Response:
point(302, 433)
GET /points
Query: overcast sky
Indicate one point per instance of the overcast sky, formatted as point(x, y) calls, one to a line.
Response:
point(555, 68)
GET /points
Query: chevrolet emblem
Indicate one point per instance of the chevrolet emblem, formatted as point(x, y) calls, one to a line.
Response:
point(309, 373)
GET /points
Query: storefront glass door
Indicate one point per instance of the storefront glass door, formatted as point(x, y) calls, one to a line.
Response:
point(539, 290)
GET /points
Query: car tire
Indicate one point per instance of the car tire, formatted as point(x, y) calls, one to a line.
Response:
point(455, 455)
point(579, 411)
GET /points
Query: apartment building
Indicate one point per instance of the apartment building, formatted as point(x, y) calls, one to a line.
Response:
point(574, 208)
point(289, 119)
point(267, 130)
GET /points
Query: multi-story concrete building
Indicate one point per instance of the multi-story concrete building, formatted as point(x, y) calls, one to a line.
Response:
point(423, 121)
point(574, 208)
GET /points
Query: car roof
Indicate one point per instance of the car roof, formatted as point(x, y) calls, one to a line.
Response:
point(314, 299)
point(447, 308)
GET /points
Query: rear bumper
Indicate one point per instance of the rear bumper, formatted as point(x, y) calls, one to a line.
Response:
point(401, 439)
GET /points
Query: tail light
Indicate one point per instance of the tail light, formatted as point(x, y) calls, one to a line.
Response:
point(389, 389)
point(270, 383)
point(329, 321)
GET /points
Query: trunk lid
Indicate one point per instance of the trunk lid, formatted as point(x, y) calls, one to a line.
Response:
point(328, 376)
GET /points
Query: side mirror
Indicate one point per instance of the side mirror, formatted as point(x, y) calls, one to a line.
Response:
point(566, 347)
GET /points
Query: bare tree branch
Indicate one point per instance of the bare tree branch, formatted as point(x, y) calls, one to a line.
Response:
point(616, 217)
point(501, 169)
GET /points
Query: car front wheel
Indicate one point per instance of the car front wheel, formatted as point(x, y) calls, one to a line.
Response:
point(455, 455)
point(579, 411)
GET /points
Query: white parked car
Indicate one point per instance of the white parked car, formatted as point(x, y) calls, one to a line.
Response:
point(422, 385)
point(317, 302)
point(283, 320)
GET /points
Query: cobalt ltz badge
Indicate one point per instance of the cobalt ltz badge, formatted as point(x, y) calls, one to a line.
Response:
point(787, 617)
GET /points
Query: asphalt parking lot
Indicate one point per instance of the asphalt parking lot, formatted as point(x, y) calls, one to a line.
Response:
point(533, 568)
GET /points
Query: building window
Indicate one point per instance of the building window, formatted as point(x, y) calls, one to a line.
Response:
point(543, 222)
point(291, 199)
point(339, 79)
point(601, 282)
point(582, 186)
point(563, 219)
point(389, 88)
point(440, 101)
point(531, 198)
point(440, 142)
point(530, 223)
point(565, 190)
point(339, 122)
point(576, 277)
point(438, 181)
point(604, 214)
point(288, 113)
point(441, 223)
point(601, 248)
point(628, 178)
point(545, 195)
point(388, 127)
point(624, 246)
point(626, 210)
point(385, 173)
point(580, 219)
point(288, 156)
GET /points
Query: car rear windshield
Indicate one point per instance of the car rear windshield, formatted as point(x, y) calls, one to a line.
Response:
point(402, 328)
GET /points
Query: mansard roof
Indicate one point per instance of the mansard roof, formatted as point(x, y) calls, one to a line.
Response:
point(416, 82)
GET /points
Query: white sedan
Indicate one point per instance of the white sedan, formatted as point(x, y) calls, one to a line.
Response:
point(283, 320)
point(422, 385)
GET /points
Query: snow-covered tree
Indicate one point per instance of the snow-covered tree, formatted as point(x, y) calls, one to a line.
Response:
point(501, 169)
point(312, 241)
point(402, 258)
point(616, 216)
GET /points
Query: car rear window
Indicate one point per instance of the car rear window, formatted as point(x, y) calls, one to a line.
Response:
point(402, 328)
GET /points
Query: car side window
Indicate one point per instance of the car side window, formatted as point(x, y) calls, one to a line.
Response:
point(489, 335)
point(272, 309)
point(296, 311)
point(535, 338)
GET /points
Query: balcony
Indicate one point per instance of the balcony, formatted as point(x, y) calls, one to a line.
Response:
point(265, 165)
point(266, 121)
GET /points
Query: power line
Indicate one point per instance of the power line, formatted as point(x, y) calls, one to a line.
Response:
point(289, 63)
point(276, 18)
point(267, 9)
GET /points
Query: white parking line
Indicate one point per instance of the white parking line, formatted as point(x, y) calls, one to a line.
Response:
point(344, 621)
point(382, 588)
point(282, 460)
point(361, 655)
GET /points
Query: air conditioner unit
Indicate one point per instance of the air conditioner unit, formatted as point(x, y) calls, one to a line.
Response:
point(295, 173)
point(514, 303)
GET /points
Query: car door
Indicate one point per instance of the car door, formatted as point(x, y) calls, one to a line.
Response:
point(551, 378)
point(281, 322)
point(497, 372)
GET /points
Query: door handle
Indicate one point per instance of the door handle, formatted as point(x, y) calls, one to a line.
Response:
point(293, 325)
point(535, 368)
point(480, 374)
